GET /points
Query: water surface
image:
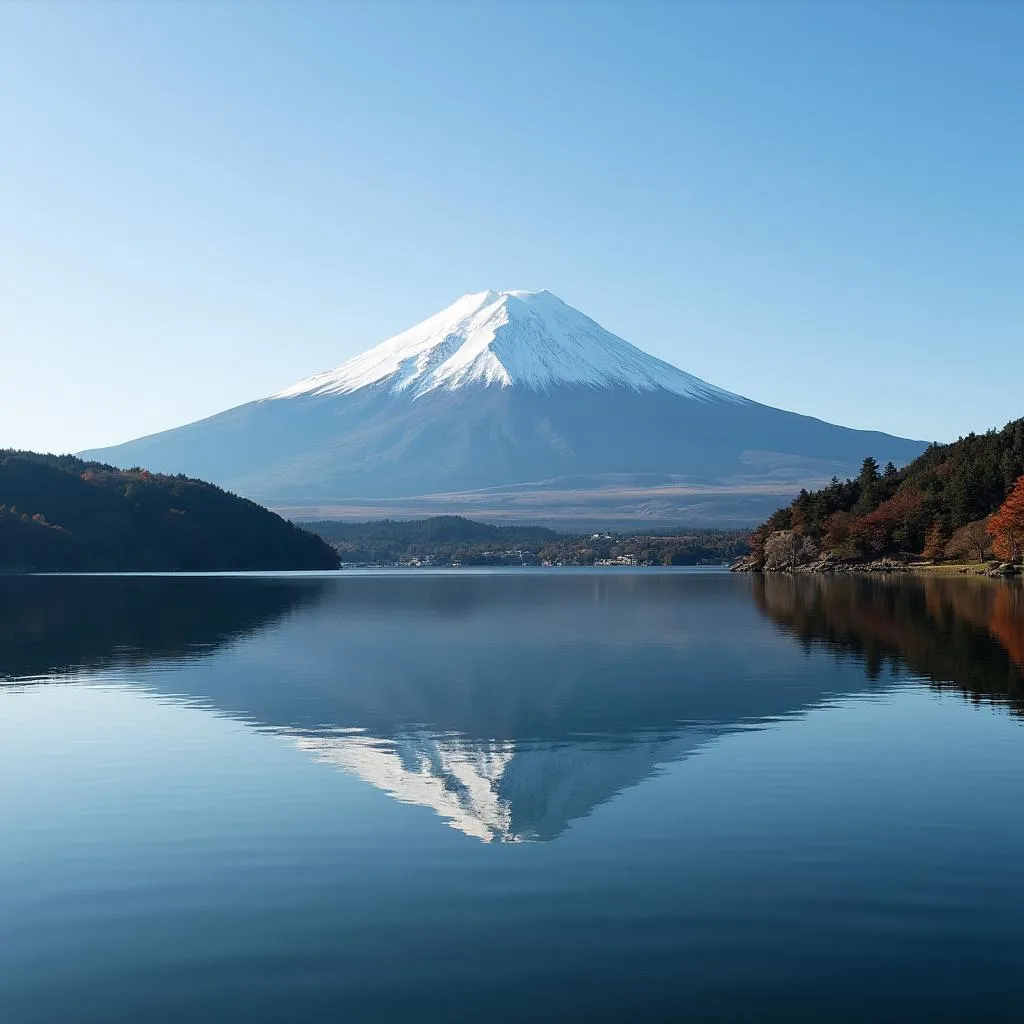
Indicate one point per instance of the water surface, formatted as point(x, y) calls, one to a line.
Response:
point(510, 795)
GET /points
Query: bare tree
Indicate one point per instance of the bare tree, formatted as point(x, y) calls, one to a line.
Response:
point(786, 549)
point(971, 541)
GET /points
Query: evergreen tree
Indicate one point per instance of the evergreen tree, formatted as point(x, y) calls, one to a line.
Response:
point(868, 472)
point(867, 483)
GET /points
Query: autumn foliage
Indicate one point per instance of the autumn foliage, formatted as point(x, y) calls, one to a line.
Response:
point(1007, 525)
point(1006, 622)
point(898, 523)
point(941, 504)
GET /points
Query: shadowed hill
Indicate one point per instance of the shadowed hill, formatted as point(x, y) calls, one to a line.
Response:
point(60, 513)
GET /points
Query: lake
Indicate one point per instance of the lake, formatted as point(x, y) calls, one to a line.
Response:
point(574, 795)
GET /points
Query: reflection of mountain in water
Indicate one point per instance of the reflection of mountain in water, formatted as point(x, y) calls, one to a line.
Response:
point(512, 704)
point(967, 633)
point(515, 704)
point(506, 790)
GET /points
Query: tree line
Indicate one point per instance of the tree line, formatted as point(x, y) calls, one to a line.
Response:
point(963, 500)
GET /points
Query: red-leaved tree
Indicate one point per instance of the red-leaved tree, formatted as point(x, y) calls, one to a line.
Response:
point(1007, 525)
point(897, 524)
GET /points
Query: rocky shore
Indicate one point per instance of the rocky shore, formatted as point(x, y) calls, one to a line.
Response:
point(833, 565)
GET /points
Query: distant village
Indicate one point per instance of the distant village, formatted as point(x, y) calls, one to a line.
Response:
point(457, 543)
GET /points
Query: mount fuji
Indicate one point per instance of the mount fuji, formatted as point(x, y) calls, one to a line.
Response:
point(512, 405)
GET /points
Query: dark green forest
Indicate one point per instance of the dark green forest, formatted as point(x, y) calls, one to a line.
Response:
point(60, 513)
point(447, 539)
point(936, 505)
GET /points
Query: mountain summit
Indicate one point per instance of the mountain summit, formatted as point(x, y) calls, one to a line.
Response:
point(508, 339)
point(512, 405)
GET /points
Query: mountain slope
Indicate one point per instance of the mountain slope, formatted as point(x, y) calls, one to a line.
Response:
point(511, 389)
point(62, 513)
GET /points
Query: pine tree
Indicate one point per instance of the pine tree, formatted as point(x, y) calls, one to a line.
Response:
point(868, 485)
point(868, 472)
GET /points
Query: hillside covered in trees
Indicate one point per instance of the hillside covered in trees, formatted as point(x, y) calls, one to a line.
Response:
point(941, 505)
point(60, 513)
point(442, 540)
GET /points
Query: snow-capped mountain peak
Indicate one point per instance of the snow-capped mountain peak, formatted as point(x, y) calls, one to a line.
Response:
point(505, 339)
point(512, 401)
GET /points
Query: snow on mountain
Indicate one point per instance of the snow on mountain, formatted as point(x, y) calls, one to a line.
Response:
point(510, 405)
point(502, 791)
point(458, 782)
point(514, 338)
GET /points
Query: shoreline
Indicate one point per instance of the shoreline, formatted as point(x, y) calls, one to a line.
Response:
point(844, 567)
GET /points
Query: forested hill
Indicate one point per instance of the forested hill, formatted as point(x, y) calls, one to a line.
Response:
point(937, 505)
point(443, 540)
point(58, 512)
point(439, 529)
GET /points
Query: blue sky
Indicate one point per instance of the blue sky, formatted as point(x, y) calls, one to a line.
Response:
point(819, 206)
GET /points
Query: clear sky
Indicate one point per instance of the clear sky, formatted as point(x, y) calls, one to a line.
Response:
point(818, 205)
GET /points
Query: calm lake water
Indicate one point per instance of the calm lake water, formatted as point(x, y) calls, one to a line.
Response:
point(510, 796)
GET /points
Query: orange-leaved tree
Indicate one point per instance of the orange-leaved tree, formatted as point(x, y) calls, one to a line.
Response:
point(1007, 525)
